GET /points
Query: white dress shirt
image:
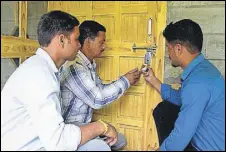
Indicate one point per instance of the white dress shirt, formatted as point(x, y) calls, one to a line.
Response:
point(30, 109)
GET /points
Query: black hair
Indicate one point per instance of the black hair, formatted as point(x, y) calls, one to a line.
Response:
point(53, 23)
point(89, 29)
point(187, 33)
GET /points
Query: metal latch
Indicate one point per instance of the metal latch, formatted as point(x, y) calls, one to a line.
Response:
point(150, 51)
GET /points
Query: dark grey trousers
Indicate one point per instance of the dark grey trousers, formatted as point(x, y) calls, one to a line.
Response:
point(165, 115)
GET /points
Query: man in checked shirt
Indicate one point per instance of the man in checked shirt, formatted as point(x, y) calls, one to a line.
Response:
point(81, 87)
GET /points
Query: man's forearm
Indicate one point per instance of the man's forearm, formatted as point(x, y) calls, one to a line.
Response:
point(156, 83)
point(91, 131)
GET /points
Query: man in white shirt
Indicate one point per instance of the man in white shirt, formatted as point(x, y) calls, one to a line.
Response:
point(30, 108)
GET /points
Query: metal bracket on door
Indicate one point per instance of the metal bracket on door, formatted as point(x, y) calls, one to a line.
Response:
point(150, 51)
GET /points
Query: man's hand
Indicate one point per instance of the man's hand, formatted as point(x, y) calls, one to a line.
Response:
point(94, 129)
point(111, 134)
point(149, 76)
point(133, 76)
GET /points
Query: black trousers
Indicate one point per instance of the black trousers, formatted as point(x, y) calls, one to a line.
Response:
point(165, 115)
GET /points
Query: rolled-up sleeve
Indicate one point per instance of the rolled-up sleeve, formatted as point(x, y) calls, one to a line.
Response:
point(170, 94)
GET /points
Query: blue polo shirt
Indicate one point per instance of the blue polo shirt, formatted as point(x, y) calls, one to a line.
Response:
point(202, 108)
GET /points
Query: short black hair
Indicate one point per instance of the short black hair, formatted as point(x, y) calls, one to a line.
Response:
point(89, 28)
point(53, 23)
point(187, 33)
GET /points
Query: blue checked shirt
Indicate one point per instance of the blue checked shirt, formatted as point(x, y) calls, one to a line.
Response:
point(82, 90)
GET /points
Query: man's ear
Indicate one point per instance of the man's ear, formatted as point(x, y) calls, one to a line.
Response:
point(61, 39)
point(178, 49)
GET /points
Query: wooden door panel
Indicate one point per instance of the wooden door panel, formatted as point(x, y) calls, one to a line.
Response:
point(134, 136)
point(131, 106)
point(131, 21)
point(109, 22)
point(104, 68)
point(103, 7)
point(78, 8)
point(128, 63)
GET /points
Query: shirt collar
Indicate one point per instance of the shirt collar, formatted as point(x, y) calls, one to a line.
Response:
point(191, 66)
point(85, 60)
point(48, 59)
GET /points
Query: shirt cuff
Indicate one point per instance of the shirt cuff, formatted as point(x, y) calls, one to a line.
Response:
point(125, 82)
point(75, 139)
point(165, 91)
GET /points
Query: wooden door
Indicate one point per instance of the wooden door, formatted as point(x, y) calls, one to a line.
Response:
point(126, 23)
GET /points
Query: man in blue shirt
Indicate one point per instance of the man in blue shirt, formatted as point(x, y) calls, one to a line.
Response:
point(201, 97)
